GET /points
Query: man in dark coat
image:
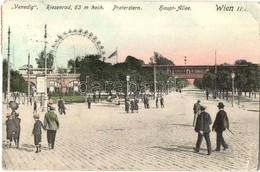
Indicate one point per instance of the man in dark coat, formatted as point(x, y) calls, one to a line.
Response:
point(220, 124)
point(202, 128)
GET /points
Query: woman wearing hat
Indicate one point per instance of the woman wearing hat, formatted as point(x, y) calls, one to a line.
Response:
point(203, 122)
point(220, 124)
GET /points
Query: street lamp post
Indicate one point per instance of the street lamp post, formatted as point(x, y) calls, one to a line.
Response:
point(154, 72)
point(87, 84)
point(127, 84)
point(175, 83)
point(8, 74)
point(28, 94)
point(45, 73)
point(233, 83)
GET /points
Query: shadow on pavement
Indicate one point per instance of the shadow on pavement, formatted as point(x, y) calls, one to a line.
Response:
point(176, 148)
point(185, 125)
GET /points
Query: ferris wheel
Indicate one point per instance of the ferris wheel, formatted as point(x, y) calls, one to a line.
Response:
point(75, 43)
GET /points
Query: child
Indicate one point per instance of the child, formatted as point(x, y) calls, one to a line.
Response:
point(17, 122)
point(10, 130)
point(37, 132)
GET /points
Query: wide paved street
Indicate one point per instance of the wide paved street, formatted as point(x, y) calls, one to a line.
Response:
point(106, 138)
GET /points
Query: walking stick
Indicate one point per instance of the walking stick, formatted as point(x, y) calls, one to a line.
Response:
point(230, 131)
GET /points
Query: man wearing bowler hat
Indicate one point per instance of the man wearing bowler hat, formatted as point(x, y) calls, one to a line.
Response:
point(202, 128)
point(220, 124)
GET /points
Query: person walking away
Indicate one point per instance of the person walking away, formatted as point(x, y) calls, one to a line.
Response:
point(220, 124)
point(196, 109)
point(17, 122)
point(51, 124)
point(35, 107)
point(162, 102)
point(10, 130)
point(202, 128)
point(37, 132)
point(60, 102)
point(89, 100)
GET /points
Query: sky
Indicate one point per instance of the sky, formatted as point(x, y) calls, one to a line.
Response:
point(196, 33)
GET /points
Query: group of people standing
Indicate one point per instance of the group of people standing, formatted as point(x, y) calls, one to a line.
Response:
point(202, 126)
point(131, 105)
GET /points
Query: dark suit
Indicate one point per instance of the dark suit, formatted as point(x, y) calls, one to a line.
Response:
point(220, 124)
point(203, 122)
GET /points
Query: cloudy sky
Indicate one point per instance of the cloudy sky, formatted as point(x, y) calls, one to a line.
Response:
point(195, 33)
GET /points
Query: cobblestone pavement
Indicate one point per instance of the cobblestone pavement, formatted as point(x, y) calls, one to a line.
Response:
point(106, 138)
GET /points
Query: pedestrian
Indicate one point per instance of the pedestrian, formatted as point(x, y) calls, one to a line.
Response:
point(30, 100)
point(196, 109)
point(117, 100)
point(51, 124)
point(202, 128)
point(61, 106)
point(156, 102)
point(10, 130)
point(207, 94)
point(132, 105)
point(94, 97)
point(220, 124)
point(37, 132)
point(127, 105)
point(17, 122)
point(136, 107)
point(162, 102)
point(89, 100)
point(35, 107)
point(147, 103)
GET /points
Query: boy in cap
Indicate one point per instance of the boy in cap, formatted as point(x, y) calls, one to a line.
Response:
point(10, 130)
point(37, 132)
point(220, 124)
point(202, 128)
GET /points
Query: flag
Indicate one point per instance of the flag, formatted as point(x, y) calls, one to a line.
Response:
point(113, 54)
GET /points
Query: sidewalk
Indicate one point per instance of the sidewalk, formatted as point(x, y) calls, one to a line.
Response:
point(106, 138)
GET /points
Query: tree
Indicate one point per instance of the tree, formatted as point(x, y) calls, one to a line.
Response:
point(41, 60)
point(17, 82)
point(247, 77)
point(160, 60)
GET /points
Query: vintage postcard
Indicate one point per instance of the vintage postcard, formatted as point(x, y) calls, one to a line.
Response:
point(130, 86)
